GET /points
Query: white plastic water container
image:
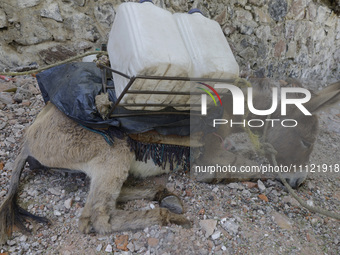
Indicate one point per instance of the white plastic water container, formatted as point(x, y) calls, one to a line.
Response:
point(145, 40)
point(208, 48)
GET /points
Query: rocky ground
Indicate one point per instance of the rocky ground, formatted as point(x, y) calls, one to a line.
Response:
point(237, 218)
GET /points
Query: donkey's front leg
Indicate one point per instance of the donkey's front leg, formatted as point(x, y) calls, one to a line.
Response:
point(108, 172)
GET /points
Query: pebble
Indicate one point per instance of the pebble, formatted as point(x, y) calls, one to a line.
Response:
point(108, 248)
point(216, 235)
point(231, 226)
point(99, 247)
point(23, 238)
point(208, 226)
point(54, 191)
point(68, 203)
point(54, 238)
point(57, 213)
point(282, 221)
point(152, 242)
point(310, 202)
point(261, 186)
point(2, 193)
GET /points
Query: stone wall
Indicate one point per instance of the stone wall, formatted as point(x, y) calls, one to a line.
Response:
point(274, 38)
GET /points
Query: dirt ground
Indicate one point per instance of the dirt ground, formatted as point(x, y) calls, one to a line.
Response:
point(236, 218)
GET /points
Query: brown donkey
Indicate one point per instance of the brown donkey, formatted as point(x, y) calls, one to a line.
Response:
point(55, 141)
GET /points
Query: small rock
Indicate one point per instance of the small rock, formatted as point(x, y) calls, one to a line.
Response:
point(282, 221)
point(208, 226)
point(27, 3)
point(261, 186)
point(234, 185)
point(152, 242)
point(131, 247)
point(121, 242)
point(215, 189)
point(57, 213)
point(99, 247)
point(216, 235)
point(230, 226)
point(250, 185)
point(310, 202)
point(108, 248)
point(2, 193)
point(291, 200)
point(11, 242)
point(68, 203)
point(6, 98)
point(23, 238)
point(54, 238)
point(54, 192)
point(263, 197)
point(52, 11)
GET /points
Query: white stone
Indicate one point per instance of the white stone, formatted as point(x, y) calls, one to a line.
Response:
point(57, 213)
point(68, 203)
point(3, 19)
point(231, 227)
point(54, 191)
point(51, 11)
point(108, 248)
point(261, 186)
point(27, 3)
point(208, 226)
point(23, 238)
point(99, 247)
point(216, 235)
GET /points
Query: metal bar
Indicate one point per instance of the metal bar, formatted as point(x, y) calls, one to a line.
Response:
point(115, 71)
point(163, 105)
point(161, 92)
point(185, 93)
point(172, 78)
point(103, 71)
point(169, 78)
point(152, 113)
point(132, 79)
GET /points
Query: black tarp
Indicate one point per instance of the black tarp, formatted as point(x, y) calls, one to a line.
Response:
point(72, 88)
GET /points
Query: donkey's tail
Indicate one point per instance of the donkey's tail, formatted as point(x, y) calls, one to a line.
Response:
point(11, 214)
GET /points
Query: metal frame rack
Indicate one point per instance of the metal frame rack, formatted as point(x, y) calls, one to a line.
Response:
point(127, 90)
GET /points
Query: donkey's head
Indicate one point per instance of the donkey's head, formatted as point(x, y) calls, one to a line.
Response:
point(295, 144)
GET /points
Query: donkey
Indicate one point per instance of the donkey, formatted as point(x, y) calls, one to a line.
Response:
point(55, 141)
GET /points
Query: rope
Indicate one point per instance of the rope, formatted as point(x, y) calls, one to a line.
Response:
point(55, 64)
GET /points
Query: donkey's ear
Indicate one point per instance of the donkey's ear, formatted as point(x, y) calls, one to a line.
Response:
point(325, 98)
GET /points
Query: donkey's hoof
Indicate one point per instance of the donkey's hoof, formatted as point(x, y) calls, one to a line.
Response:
point(172, 203)
point(84, 225)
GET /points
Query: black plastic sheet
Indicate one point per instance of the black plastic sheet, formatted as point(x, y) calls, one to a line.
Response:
point(72, 88)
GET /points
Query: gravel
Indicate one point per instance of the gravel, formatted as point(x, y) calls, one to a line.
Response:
point(227, 219)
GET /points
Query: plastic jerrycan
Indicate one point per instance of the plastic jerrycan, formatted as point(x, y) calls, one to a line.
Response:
point(208, 48)
point(145, 40)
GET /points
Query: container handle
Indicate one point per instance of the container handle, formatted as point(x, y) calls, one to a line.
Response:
point(142, 1)
point(195, 10)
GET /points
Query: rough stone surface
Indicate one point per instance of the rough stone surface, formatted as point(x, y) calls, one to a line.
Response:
point(272, 38)
point(27, 3)
point(278, 9)
point(51, 11)
point(3, 19)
